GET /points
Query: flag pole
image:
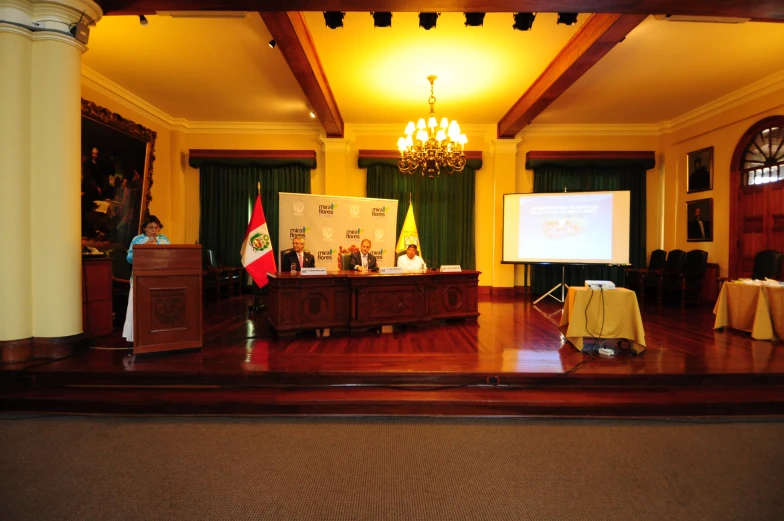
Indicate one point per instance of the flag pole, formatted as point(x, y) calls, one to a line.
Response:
point(257, 305)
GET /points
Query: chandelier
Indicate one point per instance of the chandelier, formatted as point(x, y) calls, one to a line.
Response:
point(434, 146)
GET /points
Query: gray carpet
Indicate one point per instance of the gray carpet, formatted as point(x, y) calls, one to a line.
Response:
point(77, 468)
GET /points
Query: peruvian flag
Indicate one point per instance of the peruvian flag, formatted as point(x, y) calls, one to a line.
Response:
point(257, 255)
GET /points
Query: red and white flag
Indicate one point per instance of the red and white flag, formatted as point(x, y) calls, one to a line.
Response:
point(256, 251)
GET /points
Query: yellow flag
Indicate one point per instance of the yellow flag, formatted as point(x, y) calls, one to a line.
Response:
point(409, 234)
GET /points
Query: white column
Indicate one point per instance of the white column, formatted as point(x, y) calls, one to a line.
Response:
point(55, 142)
point(16, 47)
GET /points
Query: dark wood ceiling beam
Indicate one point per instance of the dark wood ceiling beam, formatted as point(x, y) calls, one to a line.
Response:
point(758, 9)
point(296, 44)
point(595, 38)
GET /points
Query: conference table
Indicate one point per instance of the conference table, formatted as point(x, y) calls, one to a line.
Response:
point(754, 307)
point(351, 299)
point(612, 313)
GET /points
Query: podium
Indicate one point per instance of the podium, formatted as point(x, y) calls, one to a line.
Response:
point(167, 312)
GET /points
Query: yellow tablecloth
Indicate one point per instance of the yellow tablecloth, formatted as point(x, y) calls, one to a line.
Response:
point(758, 309)
point(621, 316)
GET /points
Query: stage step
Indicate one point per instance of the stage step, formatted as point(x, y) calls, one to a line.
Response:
point(404, 400)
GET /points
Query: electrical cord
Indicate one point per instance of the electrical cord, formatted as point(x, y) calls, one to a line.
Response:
point(35, 29)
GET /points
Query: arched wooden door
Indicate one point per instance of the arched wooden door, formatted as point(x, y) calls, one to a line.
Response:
point(757, 195)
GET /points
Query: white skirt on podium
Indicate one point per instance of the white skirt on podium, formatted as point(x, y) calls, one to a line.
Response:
point(128, 327)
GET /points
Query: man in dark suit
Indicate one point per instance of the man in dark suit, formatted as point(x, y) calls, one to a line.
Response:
point(298, 256)
point(363, 260)
point(698, 227)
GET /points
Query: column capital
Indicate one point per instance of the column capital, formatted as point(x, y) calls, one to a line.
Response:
point(55, 17)
point(504, 146)
point(335, 144)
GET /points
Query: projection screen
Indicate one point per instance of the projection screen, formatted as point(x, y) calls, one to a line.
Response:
point(567, 228)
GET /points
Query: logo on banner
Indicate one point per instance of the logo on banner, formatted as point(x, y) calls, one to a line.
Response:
point(325, 255)
point(354, 209)
point(327, 209)
point(353, 234)
point(298, 232)
point(299, 207)
point(378, 254)
point(379, 211)
point(379, 233)
point(326, 233)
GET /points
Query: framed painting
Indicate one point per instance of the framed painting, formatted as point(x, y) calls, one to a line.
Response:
point(699, 215)
point(700, 170)
point(117, 166)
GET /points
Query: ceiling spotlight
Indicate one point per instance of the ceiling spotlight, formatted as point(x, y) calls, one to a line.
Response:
point(523, 21)
point(312, 114)
point(474, 19)
point(272, 43)
point(567, 18)
point(382, 19)
point(428, 21)
point(334, 19)
point(143, 20)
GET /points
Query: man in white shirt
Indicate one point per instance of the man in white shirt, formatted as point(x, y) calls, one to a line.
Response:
point(411, 261)
point(363, 260)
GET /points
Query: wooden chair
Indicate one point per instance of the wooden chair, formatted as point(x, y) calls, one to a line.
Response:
point(344, 260)
point(230, 276)
point(767, 264)
point(652, 281)
point(686, 286)
point(635, 276)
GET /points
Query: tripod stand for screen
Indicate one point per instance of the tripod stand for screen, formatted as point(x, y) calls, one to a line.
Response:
point(562, 285)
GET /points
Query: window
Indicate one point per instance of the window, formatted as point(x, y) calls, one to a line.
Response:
point(763, 157)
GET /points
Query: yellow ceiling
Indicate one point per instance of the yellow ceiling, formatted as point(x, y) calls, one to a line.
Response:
point(221, 69)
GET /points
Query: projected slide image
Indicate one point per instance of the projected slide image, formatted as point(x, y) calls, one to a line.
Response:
point(552, 227)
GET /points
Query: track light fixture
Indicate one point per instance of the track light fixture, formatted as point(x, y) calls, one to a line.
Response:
point(428, 21)
point(474, 19)
point(143, 20)
point(382, 19)
point(523, 21)
point(272, 43)
point(567, 18)
point(334, 19)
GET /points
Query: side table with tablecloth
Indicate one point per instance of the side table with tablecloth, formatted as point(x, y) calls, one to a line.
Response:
point(611, 313)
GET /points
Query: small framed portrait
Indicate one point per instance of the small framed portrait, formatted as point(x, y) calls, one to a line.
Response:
point(699, 216)
point(700, 170)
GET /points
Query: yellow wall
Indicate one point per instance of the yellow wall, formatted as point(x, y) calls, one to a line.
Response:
point(176, 187)
point(722, 132)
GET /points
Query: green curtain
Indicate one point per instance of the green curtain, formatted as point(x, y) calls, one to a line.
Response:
point(227, 197)
point(443, 209)
point(555, 179)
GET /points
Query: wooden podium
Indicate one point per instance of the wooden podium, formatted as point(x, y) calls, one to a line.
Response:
point(167, 311)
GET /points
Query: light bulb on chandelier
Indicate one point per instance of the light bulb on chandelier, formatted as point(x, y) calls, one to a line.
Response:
point(428, 147)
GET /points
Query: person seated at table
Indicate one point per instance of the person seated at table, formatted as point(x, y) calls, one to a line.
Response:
point(411, 261)
point(298, 256)
point(363, 260)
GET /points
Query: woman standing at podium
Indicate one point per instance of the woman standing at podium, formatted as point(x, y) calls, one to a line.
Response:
point(152, 235)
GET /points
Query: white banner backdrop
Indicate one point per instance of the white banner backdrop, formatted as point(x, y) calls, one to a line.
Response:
point(331, 224)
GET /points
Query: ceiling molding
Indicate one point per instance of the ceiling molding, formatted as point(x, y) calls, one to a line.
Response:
point(595, 38)
point(127, 99)
point(124, 97)
point(291, 33)
point(760, 88)
point(762, 9)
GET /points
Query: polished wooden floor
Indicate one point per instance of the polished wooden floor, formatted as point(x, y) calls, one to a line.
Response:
point(512, 361)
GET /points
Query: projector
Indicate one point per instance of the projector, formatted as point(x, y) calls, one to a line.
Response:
point(599, 284)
